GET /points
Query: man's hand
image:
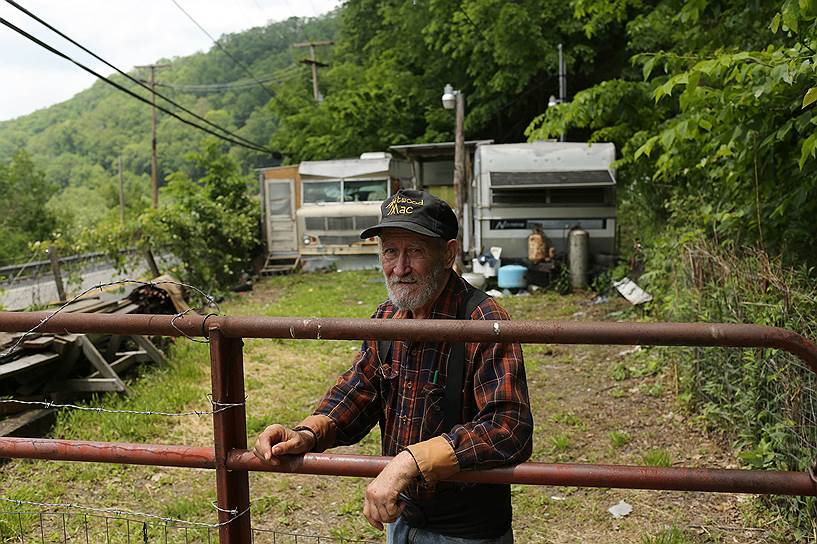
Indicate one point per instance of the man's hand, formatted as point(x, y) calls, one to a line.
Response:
point(380, 504)
point(278, 440)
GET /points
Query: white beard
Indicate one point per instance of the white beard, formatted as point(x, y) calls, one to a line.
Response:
point(412, 299)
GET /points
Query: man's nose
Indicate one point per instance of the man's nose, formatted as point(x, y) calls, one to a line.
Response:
point(402, 265)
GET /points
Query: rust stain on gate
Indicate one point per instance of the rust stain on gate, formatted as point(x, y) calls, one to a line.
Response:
point(231, 460)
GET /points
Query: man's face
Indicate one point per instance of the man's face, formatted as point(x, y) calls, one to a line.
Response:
point(414, 267)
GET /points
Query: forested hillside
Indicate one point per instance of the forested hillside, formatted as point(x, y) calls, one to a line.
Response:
point(74, 147)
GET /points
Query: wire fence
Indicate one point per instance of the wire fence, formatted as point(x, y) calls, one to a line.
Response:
point(41, 526)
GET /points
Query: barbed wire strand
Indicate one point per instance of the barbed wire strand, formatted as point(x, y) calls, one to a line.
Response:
point(119, 512)
point(218, 408)
point(210, 301)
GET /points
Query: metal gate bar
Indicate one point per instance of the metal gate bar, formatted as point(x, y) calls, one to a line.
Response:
point(555, 332)
point(232, 461)
point(330, 464)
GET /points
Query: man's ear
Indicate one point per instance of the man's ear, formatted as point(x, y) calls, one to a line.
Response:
point(450, 255)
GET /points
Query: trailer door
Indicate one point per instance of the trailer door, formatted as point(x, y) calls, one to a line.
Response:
point(281, 232)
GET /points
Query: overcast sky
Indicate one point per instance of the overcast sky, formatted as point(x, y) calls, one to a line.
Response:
point(123, 32)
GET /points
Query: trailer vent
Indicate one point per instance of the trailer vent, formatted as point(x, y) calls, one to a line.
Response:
point(315, 223)
point(340, 223)
point(338, 240)
point(366, 221)
point(533, 179)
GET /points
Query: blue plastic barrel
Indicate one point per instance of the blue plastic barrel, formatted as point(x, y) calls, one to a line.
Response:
point(512, 276)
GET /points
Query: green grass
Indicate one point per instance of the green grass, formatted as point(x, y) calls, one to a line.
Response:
point(560, 443)
point(618, 439)
point(657, 458)
point(671, 536)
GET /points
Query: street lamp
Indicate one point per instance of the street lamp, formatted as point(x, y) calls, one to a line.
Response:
point(453, 98)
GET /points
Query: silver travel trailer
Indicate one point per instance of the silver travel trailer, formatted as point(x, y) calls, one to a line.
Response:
point(553, 185)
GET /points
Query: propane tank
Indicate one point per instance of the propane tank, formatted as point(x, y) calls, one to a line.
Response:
point(579, 257)
point(536, 246)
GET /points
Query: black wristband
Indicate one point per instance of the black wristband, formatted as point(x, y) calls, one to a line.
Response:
point(310, 431)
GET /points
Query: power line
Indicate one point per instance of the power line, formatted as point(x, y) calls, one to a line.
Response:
point(234, 59)
point(282, 76)
point(254, 147)
point(126, 75)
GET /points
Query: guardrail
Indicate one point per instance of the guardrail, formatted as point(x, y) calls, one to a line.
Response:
point(231, 460)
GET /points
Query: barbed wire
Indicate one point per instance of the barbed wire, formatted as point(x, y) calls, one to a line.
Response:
point(119, 512)
point(207, 297)
point(219, 407)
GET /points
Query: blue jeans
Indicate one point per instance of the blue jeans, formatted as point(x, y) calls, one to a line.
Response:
point(399, 532)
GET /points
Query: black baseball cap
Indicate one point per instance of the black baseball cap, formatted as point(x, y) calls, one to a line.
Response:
point(417, 211)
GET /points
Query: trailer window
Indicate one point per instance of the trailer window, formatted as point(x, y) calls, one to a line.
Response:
point(316, 192)
point(365, 191)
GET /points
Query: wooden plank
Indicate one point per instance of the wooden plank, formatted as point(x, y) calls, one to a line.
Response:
point(99, 362)
point(127, 309)
point(91, 385)
point(80, 305)
point(125, 360)
point(25, 422)
point(153, 352)
point(27, 362)
point(7, 408)
point(38, 343)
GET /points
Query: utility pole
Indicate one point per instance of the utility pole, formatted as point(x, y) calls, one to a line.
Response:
point(562, 84)
point(460, 184)
point(312, 61)
point(121, 193)
point(154, 176)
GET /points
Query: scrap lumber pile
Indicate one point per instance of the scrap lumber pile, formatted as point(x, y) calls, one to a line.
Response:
point(62, 368)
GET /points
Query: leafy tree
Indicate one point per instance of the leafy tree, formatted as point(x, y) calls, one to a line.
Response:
point(25, 218)
point(209, 225)
point(393, 59)
point(713, 124)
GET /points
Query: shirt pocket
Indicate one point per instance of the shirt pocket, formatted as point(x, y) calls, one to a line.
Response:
point(433, 411)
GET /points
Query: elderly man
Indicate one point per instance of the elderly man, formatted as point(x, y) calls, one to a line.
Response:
point(442, 407)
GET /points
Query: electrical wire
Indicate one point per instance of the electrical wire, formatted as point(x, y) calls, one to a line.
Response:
point(126, 75)
point(234, 59)
point(282, 76)
point(254, 147)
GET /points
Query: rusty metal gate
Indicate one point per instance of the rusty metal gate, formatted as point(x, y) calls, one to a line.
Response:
point(232, 461)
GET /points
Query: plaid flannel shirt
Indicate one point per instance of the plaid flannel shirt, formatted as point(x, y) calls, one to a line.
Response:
point(403, 396)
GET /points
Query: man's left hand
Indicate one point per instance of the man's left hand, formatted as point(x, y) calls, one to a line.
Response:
point(380, 504)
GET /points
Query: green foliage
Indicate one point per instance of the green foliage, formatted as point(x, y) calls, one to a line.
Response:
point(208, 224)
point(712, 120)
point(393, 59)
point(25, 218)
point(763, 398)
point(66, 156)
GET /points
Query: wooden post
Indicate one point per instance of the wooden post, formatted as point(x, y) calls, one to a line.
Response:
point(154, 174)
point(460, 184)
point(55, 269)
point(152, 263)
point(121, 193)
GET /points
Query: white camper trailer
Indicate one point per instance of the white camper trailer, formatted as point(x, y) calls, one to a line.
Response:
point(340, 198)
point(553, 185)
